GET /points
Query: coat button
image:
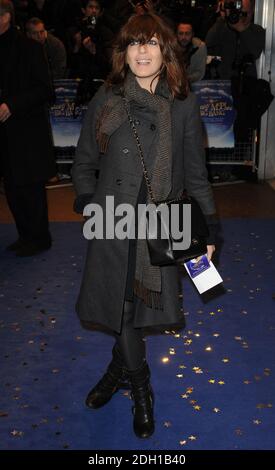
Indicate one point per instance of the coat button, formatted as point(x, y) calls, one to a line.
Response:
point(137, 122)
point(118, 182)
point(125, 150)
point(153, 127)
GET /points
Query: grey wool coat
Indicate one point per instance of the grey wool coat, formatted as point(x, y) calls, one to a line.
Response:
point(103, 285)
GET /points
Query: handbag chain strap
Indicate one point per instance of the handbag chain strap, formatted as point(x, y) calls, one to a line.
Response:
point(145, 172)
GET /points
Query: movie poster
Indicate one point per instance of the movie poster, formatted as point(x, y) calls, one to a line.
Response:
point(66, 115)
point(217, 112)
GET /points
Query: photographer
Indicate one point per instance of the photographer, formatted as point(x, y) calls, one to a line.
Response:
point(236, 40)
point(239, 43)
point(92, 44)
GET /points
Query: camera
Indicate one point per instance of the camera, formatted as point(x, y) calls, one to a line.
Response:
point(235, 11)
point(88, 28)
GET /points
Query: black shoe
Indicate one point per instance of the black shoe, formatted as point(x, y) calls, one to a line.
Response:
point(143, 397)
point(111, 381)
point(32, 248)
point(15, 245)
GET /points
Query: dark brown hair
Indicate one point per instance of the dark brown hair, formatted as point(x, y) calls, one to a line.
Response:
point(142, 28)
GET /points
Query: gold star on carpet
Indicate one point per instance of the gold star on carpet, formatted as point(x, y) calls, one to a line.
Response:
point(44, 421)
point(221, 382)
point(256, 421)
point(197, 407)
point(16, 433)
point(184, 396)
point(183, 443)
point(188, 342)
point(225, 360)
point(260, 406)
point(211, 381)
point(167, 424)
point(179, 376)
point(192, 438)
point(216, 335)
point(216, 410)
point(182, 366)
point(190, 390)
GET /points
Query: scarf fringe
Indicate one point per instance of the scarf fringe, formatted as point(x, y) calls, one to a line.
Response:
point(103, 138)
point(103, 141)
point(151, 298)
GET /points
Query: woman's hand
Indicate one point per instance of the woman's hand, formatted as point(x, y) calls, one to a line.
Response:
point(210, 251)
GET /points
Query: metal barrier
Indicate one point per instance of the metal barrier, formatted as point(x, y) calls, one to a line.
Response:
point(218, 117)
point(243, 153)
point(66, 117)
point(217, 111)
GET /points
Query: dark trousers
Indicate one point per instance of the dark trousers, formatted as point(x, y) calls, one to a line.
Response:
point(130, 340)
point(28, 205)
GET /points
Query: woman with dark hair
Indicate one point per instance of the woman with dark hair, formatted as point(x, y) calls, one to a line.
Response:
point(120, 288)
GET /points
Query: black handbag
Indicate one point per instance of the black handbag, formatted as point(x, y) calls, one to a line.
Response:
point(162, 251)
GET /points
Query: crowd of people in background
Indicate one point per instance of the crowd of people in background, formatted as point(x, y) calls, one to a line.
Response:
point(77, 35)
point(75, 41)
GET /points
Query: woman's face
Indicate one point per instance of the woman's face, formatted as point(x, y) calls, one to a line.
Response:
point(145, 61)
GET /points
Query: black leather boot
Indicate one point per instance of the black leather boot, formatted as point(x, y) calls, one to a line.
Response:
point(111, 381)
point(143, 397)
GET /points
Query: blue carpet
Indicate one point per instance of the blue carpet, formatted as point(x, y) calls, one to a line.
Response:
point(216, 390)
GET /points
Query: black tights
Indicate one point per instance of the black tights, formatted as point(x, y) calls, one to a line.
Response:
point(130, 340)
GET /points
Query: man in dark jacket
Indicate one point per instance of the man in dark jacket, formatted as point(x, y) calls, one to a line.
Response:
point(239, 44)
point(54, 48)
point(26, 158)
